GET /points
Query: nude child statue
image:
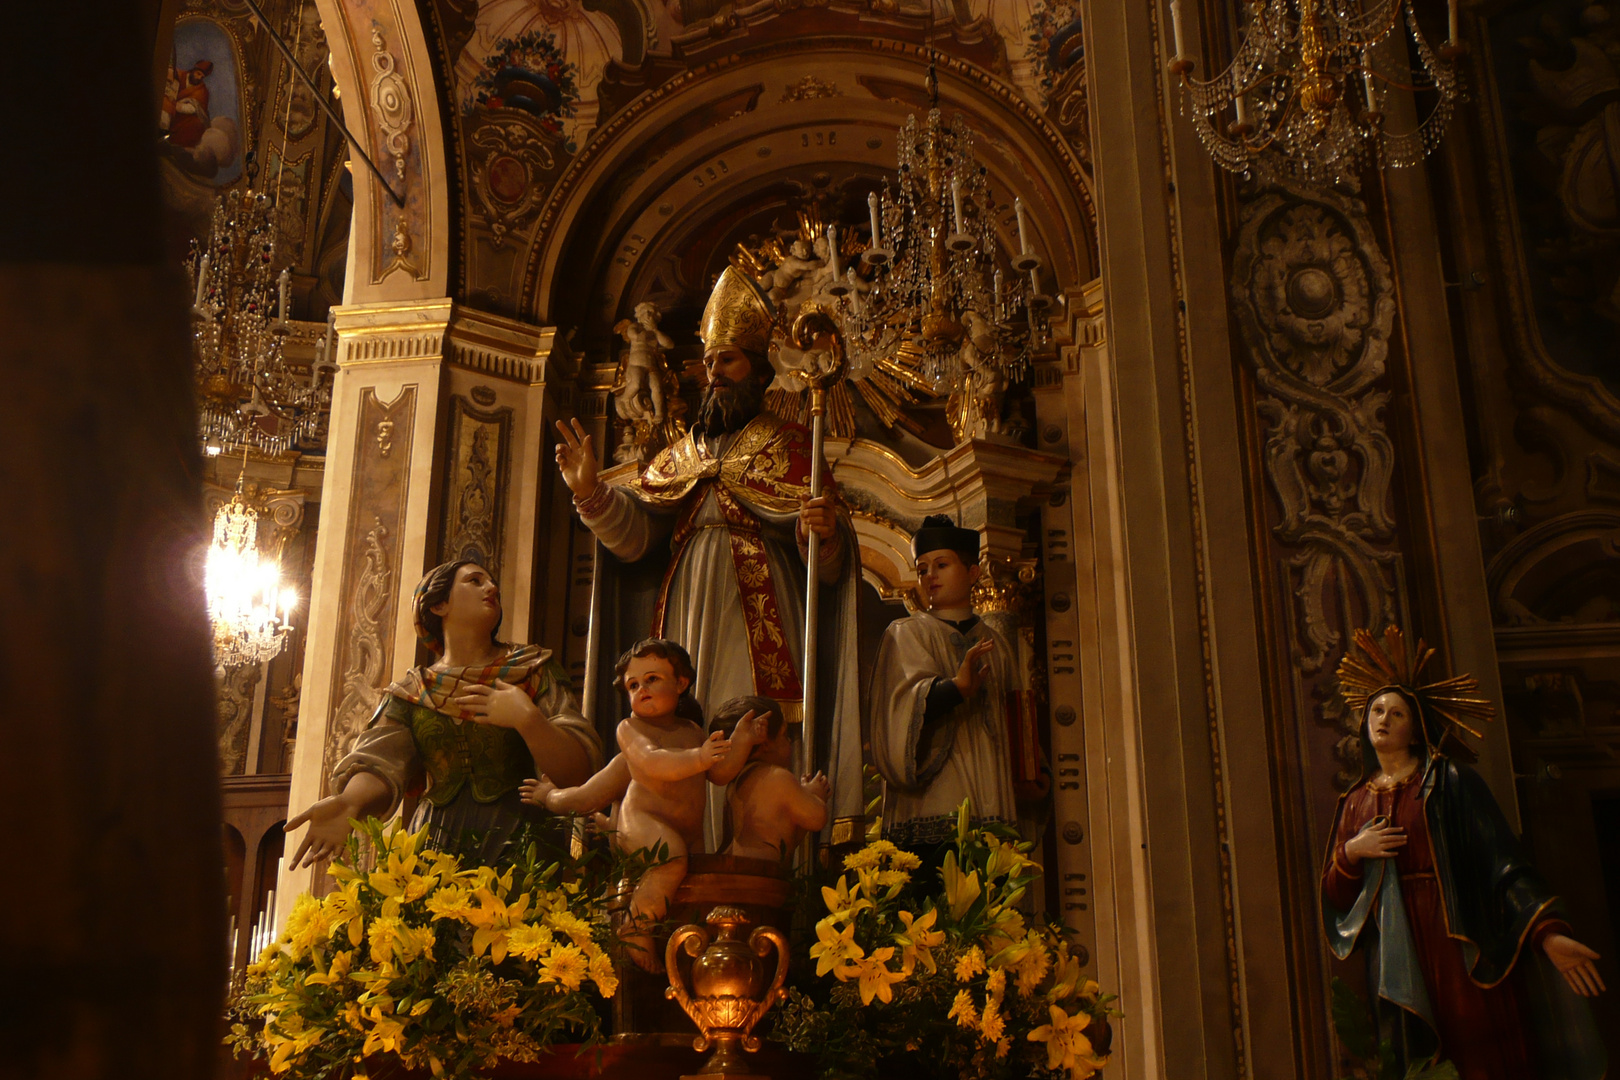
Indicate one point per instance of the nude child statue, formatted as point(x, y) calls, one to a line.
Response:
point(664, 758)
point(768, 809)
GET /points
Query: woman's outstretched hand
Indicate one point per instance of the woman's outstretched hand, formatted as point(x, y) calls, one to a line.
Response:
point(328, 822)
point(1574, 962)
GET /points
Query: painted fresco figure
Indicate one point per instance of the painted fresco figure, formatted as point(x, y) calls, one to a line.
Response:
point(1427, 878)
point(469, 728)
point(940, 697)
point(723, 517)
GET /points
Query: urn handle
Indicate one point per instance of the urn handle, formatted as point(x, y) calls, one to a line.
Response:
point(695, 938)
point(761, 941)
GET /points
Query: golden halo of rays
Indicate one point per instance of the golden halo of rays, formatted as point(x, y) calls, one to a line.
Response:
point(894, 383)
point(1454, 701)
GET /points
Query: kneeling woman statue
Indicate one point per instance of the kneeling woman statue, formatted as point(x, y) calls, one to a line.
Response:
point(471, 727)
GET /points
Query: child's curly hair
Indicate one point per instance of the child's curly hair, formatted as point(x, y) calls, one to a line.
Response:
point(680, 662)
point(726, 716)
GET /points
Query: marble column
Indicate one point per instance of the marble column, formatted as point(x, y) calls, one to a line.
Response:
point(438, 450)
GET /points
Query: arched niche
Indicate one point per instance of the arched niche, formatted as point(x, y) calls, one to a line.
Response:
point(678, 176)
point(1564, 570)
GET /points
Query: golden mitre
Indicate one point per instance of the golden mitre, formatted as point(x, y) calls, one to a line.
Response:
point(738, 315)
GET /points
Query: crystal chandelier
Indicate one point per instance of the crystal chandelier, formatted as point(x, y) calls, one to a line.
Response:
point(940, 287)
point(248, 394)
point(247, 603)
point(1301, 97)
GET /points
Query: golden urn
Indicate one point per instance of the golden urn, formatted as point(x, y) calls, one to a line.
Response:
point(729, 992)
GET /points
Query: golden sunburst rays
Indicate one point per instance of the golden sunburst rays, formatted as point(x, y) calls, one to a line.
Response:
point(888, 388)
point(1454, 701)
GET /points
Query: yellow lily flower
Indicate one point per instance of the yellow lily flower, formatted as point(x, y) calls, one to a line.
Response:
point(961, 890)
point(1067, 1047)
point(835, 951)
point(341, 963)
point(919, 938)
point(387, 1031)
point(344, 908)
point(843, 903)
point(876, 980)
point(492, 919)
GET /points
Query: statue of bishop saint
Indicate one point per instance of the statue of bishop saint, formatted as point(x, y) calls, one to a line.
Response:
point(712, 540)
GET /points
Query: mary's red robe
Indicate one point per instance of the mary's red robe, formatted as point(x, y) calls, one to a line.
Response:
point(1481, 1027)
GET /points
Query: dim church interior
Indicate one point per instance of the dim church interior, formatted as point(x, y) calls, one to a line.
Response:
point(1259, 412)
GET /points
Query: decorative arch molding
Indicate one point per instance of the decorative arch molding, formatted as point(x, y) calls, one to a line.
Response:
point(682, 152)
point(382, 64)
point(1529, 576)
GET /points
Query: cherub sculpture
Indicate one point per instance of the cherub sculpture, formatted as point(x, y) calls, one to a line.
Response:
point(658, 777)
point(791, 280)
point(986, 385)
point(639, 392)
point(768, 808)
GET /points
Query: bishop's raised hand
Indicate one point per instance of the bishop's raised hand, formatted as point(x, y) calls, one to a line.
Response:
point(576, 458)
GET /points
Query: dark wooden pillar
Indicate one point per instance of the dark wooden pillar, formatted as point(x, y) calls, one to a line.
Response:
point(112, 958)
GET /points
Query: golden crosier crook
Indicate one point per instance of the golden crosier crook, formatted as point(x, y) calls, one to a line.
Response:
point(725, 1001)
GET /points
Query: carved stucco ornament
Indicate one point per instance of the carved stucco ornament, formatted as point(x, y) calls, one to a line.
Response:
point(1316, 304)
point(510, 153)
point(366, 655)
point(390, 101)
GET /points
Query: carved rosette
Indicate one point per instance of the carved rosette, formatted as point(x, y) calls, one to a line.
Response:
point(1316, 304)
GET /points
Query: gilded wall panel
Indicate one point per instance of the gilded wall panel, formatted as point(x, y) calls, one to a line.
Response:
point(382, 456)
point(478, 472)
point(1315, 304)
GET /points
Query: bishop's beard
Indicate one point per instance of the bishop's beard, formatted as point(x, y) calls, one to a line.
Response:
point(729, 407)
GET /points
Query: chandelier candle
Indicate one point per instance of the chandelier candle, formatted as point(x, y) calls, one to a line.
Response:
point(202, 282)
point(283, 286)
point(1175, 28)
point(872, 211)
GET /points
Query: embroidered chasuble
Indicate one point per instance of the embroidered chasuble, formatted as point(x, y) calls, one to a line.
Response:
point(733, 590)
point(930, 763)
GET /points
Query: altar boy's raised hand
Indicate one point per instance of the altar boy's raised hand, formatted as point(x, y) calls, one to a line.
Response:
point(973, 669)
point(576, 458)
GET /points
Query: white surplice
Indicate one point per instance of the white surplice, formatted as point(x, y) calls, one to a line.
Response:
point(930, 767)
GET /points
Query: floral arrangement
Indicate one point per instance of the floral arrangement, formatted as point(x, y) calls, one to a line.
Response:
point(444, 968)
point(953, 980)
point(529, 73)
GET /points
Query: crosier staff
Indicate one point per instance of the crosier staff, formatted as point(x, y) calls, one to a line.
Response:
point(816, 335)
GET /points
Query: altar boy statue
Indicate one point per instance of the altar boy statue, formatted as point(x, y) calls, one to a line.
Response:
point(941, 690)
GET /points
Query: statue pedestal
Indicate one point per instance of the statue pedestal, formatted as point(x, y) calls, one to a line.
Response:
point(752, 893)
point(641, 1013)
